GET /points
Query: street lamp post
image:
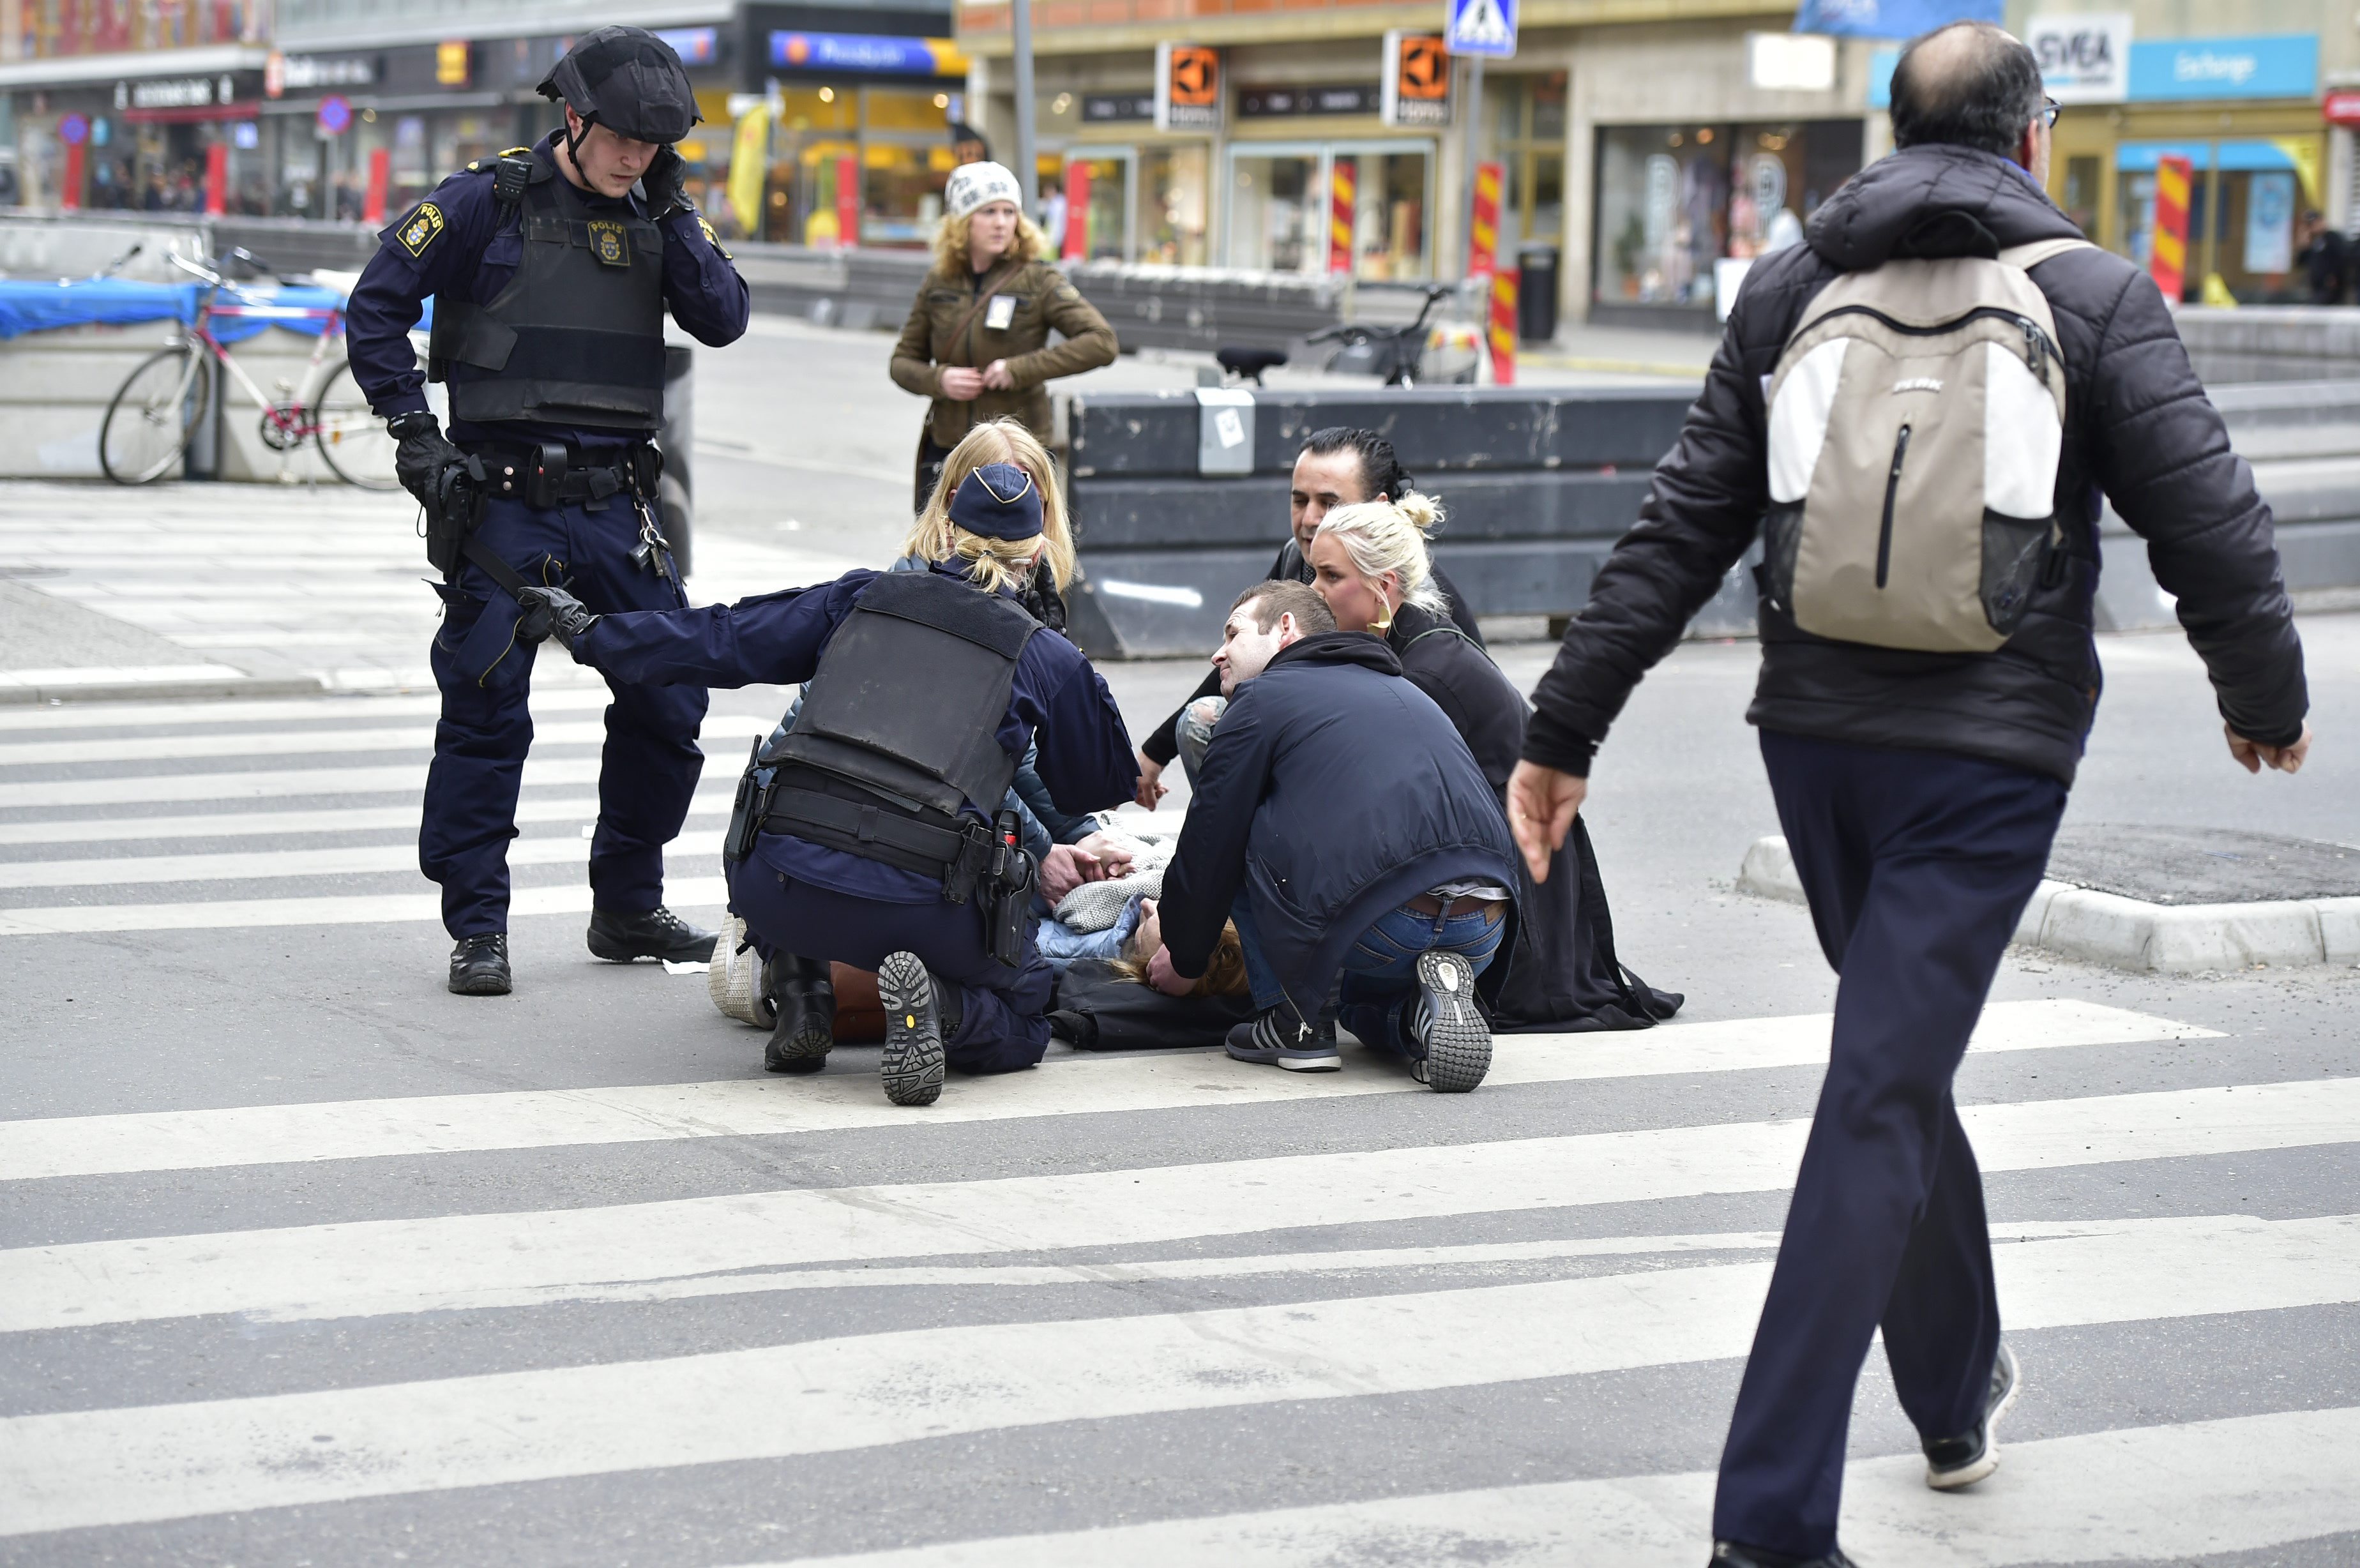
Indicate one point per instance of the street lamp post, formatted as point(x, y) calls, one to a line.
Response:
point(1027, 166)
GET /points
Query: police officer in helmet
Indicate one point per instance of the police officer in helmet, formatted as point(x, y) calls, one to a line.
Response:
point(551, 269)
point(873, 832)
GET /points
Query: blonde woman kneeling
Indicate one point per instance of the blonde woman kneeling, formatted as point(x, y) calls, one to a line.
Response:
point(1372, 562)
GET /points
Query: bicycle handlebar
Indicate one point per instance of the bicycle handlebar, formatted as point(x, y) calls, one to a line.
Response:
point(194, 269)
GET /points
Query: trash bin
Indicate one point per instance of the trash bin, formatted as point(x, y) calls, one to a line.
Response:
point(1536, 293)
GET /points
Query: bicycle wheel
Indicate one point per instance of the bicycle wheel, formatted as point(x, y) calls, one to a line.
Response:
point(155, 413)
point(353, 440)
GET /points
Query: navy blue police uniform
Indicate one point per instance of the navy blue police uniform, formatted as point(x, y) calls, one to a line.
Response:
point(923, 692)
point(549, 302)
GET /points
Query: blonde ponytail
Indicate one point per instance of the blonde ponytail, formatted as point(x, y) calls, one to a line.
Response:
point(1390, 536)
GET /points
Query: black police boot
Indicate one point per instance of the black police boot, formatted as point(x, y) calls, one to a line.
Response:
point(804, 998)
point(1963, 1460)
point(479, 966)
point(656, 933)
point(921, 1014)
point(1729, 1555)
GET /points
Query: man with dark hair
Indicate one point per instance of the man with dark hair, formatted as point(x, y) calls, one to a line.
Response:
point(2324, 261)
point(1338, 466)
point(1342, 824)
point(1919, 782)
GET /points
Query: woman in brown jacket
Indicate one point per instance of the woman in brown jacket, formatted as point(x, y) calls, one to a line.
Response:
point(977, 340)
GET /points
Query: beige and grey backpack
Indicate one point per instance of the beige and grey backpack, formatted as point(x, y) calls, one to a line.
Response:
point(1916, 416)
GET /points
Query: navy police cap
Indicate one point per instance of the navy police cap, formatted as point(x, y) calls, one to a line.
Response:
point(999, 500)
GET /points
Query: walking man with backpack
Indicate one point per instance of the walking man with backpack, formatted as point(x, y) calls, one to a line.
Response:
point(1916, 411)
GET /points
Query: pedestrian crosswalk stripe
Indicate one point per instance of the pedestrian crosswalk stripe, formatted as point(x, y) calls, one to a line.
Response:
point(713, 795)
point(351, 860)
point(175, 715)
point(81, 1469)
point(455, 1262)
point(2139, 1494)
point(759, 1106)
point(367, 908)
point(155, 788)
point(322, 742)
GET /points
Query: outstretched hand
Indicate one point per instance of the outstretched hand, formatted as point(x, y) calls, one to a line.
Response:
point(553, 612)
point(1542, 804)
point(2253, 756)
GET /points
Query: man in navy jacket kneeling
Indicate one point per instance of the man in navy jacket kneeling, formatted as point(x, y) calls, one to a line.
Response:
point(1342, 824)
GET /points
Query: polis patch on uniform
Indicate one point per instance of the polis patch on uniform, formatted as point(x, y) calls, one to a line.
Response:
point(610, 244)
point(711, 238)
point(418, 230)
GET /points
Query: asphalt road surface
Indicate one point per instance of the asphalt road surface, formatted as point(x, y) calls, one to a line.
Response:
point(303, 1260)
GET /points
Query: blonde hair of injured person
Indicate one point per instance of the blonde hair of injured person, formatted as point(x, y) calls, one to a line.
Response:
point(995, 564)
point(1225, 973)
point(1390, 536)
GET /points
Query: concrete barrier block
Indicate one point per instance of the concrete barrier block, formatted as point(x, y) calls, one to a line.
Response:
point(2339, 929)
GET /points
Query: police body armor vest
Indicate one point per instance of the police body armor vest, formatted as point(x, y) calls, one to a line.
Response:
point(576, 338)
point(899, 729)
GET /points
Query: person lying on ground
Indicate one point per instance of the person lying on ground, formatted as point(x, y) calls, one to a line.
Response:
point(1337, 466)
point(1370, 564)
point(1342, 824)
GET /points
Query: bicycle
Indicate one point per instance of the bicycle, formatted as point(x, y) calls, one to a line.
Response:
point(1390, 352)
point(158, 409)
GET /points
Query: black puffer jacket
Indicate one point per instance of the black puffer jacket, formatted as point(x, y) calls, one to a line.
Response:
point(1334, 791)
point(2138, 427)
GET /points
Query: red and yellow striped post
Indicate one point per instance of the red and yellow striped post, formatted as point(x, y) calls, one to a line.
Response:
point(1077, 246)
point(1343, 198)
point(2168, 261)
point(1501, 334)
point(1484, 245)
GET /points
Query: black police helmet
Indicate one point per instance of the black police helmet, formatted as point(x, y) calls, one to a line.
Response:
point(628, 80)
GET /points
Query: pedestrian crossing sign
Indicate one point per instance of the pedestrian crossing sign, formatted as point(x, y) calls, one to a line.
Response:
point(1483, 28)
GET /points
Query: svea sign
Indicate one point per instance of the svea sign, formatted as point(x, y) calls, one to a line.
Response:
point(2084, 59)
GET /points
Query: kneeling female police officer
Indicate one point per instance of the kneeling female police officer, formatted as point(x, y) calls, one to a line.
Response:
point(876, 845)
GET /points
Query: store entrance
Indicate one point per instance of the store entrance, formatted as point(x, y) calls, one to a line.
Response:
point(1287, 201)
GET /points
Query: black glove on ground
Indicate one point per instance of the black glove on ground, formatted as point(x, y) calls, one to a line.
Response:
point(421, 454)
point(553, 612)
point(666, 184)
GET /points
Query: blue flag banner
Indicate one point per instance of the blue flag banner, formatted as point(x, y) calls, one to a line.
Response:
point(1890, 18)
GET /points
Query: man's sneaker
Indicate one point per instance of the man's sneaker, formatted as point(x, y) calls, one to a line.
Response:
point(1962, 1461)
point(657, 933)
point(1280, 1035)
point(1449, 1043)
point(803, 999)
point(1729, 1555)
point(915, 1029)
point(479, 966)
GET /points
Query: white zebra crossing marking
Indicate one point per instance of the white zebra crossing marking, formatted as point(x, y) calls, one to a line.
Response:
point(174, 715)
point(714, 796)
point(88, 1468)
point(359, 908)
point(2133, 1495)
point(155, 788)
point(243, 865)
point(452, 1262)
point(437, 1124)
point(322, 742)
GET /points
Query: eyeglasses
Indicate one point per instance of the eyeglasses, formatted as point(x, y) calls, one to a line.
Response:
point(2050, 110)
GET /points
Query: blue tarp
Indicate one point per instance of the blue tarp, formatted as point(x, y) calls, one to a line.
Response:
point(27, 306)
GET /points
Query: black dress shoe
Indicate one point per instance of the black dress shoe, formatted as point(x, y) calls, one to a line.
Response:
point(804, 998)
point(1729, 1555)
point(654, 934)
point(479, 966)
point(1962, 1461)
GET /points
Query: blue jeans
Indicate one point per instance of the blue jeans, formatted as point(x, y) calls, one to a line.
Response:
point(1380, 966)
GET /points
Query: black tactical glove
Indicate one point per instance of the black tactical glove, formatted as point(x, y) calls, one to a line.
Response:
point(422, 456)
point(553, 612)
point(665, 183)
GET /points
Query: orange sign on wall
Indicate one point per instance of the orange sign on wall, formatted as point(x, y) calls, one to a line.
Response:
point(1418, 80)
point(2168, 261)
point(1187, 88)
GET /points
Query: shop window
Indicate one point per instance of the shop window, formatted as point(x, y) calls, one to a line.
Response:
point(902, 109)
point(1389, 215)
point(2081, 175)
point(1675, 202)
point(897, 189)
point(1277, 212)
point(1528, 140)
point(1102, 218)
point(1172, 202)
